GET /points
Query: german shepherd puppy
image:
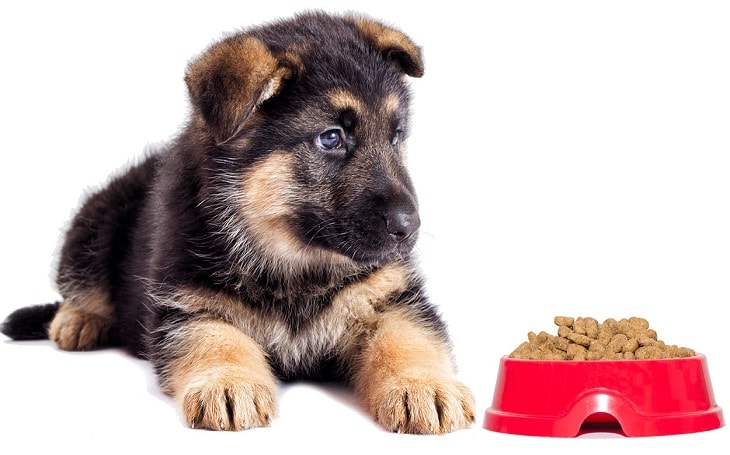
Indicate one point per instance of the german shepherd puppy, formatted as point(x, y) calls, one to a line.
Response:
point(271, 239)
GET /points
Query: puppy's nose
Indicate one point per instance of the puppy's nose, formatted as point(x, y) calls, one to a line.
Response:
point(402, 223)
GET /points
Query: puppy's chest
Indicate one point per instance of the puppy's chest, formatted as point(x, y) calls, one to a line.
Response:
point(296, 338)
point(296, 341)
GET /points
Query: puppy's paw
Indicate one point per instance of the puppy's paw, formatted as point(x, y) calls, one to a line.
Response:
point(422, 405)
point(73, 329)
point(229, 399)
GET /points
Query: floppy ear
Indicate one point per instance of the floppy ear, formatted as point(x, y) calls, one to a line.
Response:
point(394, 45)
point(231, 79)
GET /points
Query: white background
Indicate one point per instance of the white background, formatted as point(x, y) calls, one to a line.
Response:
point(571, 158)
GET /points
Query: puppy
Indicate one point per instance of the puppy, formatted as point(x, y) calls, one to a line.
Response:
point(271, 240)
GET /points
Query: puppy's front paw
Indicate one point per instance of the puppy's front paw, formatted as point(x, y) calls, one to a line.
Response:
point(229, 400)
point(422, 405)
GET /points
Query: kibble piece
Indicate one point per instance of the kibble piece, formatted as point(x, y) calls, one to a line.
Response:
point(591, 328)
point(685, 352)
point(564, 331)
point(630, 346)
point(534, 354)
point(611, 325)
point(625, 327)
point(597, 346)
point(648, 352)
point(576, 352)
point(639, 323)
point(522, 351)
point(564, 321)
point(613, 355)
point(561, 343)
point(645, 340)
point(617, 343)
point(577, 338)
point(604, 336)
point(594, 355)
point(556, 355)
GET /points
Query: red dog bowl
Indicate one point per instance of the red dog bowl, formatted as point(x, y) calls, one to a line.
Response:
point(566, 398)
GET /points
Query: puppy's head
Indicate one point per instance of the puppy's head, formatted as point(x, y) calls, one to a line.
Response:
point(305, 122)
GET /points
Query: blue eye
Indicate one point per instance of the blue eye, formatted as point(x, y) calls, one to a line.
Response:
point(396, 137)
point(330, 140)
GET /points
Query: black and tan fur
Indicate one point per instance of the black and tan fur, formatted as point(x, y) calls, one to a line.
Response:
point(271, 240)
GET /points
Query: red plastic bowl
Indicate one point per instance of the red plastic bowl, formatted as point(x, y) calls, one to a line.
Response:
point(566, 398)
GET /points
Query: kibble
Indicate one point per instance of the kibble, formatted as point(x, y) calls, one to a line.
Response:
point(586, 339)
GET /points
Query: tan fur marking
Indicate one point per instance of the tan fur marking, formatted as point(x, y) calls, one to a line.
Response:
point(391, 103)
point(387, 38)
point(269, 193)
point(269, 188)
point(82, 321)
point(221, 379)
point(269, 197)
point(342, 99)
point(365, 300)
point(406, 380)
point(389, 279)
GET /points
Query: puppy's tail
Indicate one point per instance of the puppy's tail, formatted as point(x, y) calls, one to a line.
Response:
point(29, 323)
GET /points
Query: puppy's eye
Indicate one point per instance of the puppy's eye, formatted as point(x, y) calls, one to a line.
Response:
point(330, 140)
point(396, 137)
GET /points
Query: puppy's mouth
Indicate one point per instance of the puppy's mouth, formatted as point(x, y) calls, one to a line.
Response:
point(387, 252)
point(371, 240)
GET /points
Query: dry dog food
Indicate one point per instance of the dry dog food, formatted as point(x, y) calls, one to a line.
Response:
point(587, 339)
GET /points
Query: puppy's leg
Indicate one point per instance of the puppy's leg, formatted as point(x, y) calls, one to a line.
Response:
point(406, 379)
point(82, 322)
point(219, 375)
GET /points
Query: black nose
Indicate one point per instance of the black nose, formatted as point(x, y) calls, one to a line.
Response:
point(402, 223)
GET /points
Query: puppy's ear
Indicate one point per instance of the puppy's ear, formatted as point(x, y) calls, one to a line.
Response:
point(230, 80)
point(394, 44)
